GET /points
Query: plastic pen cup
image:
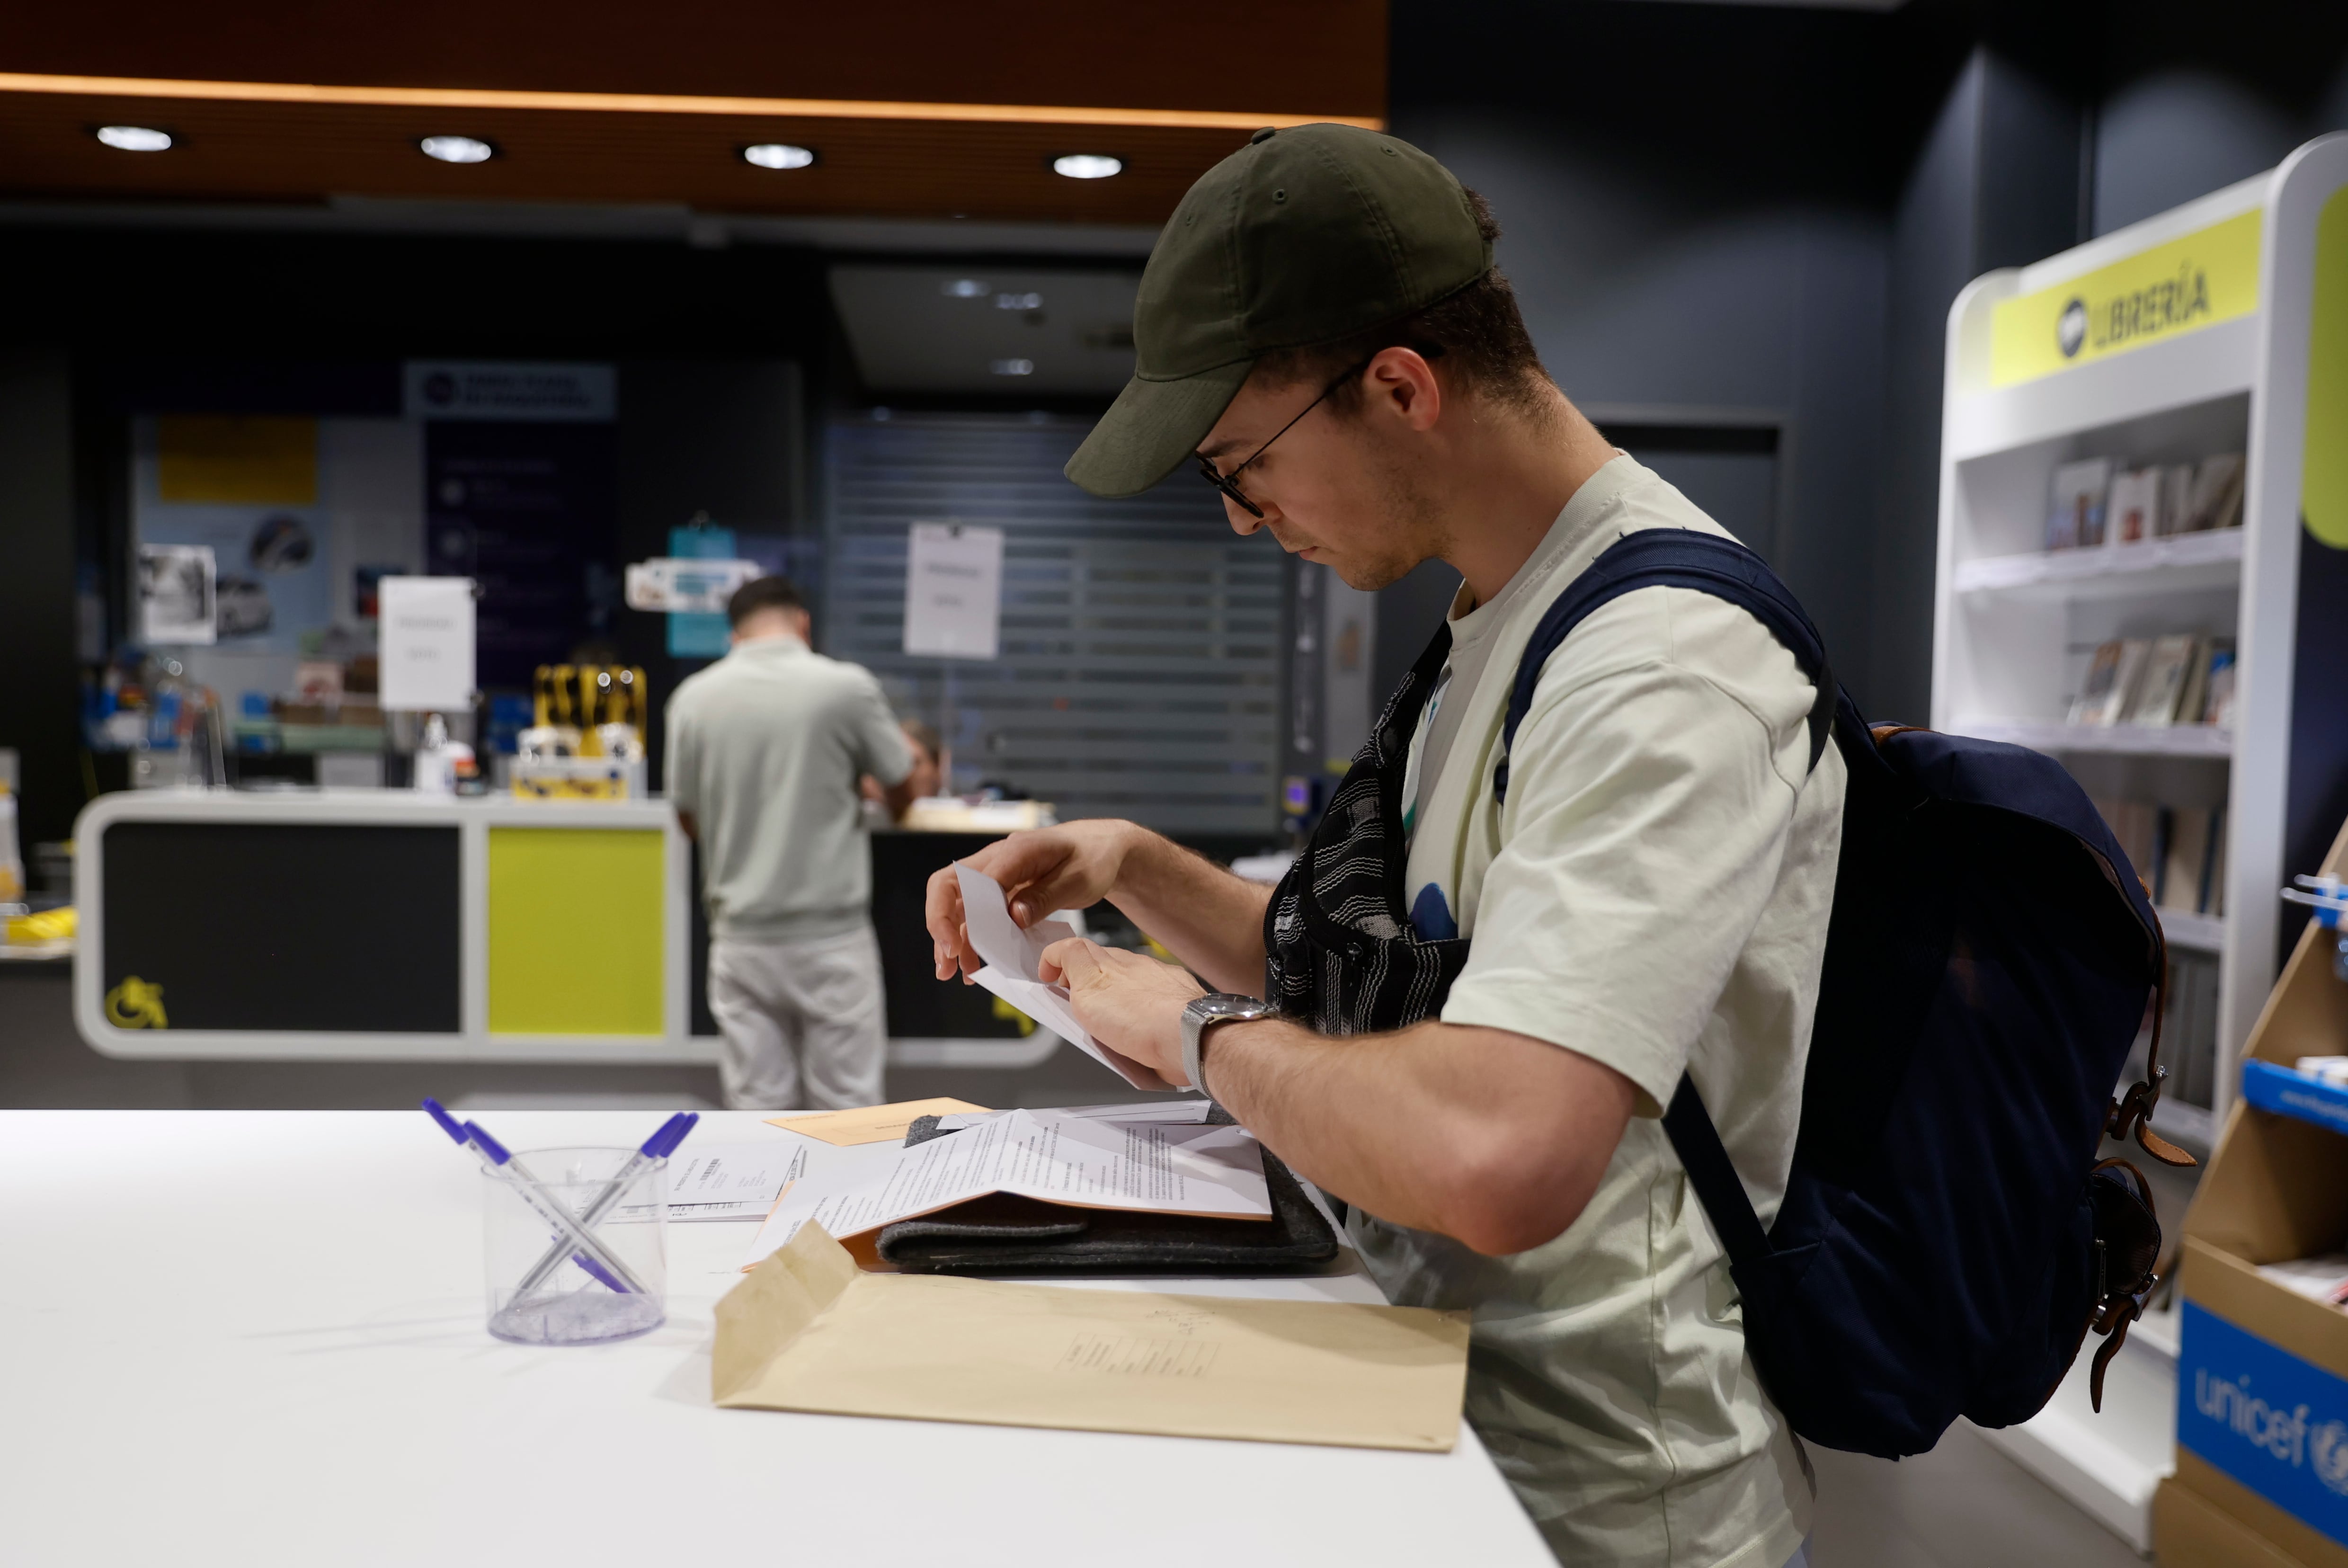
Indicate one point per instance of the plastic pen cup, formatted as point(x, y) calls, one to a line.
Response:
point(577, 1305)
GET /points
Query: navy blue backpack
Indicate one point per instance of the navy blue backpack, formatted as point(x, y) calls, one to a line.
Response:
point(1949, 1234)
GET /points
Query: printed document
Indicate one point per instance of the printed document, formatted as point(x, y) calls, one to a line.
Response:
point(1156, 1167)
point(1015, 966)
point(727, 1181)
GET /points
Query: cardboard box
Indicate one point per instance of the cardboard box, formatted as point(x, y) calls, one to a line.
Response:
point(2262, 1371)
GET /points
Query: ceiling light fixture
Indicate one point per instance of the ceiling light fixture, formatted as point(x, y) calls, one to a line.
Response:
point(1029, 301)
point(777, 155)
point(1013, 366)
point(1087, 165)
point(963, 288)
point(134, 138)
point(456, 149)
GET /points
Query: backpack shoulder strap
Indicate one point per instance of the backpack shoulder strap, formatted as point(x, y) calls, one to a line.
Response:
point(1682, 558)
point(1675, 558)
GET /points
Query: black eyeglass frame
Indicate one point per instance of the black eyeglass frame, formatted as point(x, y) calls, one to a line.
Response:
point(1230, 483)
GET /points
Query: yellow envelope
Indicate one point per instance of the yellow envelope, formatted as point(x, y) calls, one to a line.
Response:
point(807, 1330)
point(872, 1124)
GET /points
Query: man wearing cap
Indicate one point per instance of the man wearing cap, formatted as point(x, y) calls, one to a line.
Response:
point(1465, 1008)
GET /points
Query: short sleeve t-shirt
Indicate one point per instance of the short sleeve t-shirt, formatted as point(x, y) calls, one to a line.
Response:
point(1653, 894)
point(764, 749)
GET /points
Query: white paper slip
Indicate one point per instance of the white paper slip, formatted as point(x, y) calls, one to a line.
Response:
point(1156, 1167)
point(728, 1181)
point(1014, 969)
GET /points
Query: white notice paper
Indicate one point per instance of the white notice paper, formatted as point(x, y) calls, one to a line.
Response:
point(427, 644)
point(1014, 967)
point(953, 591)
point(728, 1181)
point(1155, 1167)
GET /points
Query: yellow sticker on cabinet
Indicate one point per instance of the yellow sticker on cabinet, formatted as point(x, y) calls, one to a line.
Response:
point(2323, 461)
point(2196, 280)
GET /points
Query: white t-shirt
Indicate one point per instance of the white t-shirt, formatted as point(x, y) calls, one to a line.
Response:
point(1654, 895)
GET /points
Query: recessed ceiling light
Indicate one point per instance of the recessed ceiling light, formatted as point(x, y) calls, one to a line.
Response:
point(134, 138)
point(1013, 366)
point(457, 149)
point(1087, 165)
point(963, 288)
point(1030, 300)
point(779, 155)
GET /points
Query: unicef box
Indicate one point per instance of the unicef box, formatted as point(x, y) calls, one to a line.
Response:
point(2263, 1370)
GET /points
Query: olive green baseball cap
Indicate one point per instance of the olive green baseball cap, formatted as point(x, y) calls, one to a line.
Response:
point(1304, 235)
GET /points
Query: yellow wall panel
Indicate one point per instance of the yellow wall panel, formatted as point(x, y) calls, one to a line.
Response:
point(576, 930)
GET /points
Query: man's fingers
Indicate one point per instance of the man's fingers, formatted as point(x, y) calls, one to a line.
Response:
point(1072, 960)
point(941, 912)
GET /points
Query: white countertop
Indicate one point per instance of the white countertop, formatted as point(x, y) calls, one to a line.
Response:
point(256, 1337)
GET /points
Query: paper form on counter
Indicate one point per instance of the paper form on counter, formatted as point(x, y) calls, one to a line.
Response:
point(727, 1181)
point(1013, 972)
point(1152, 1167)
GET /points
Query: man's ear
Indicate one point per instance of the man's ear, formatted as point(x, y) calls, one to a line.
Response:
point(1401, 382)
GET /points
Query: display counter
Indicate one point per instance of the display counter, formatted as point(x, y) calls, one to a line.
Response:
point(380, 926)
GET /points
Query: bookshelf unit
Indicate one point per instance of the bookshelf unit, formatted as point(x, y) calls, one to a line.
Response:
point(2198, 340)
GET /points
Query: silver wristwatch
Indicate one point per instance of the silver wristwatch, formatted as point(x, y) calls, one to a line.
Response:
point(1204, 1014)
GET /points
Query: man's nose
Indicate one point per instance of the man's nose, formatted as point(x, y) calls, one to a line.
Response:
point(1245, 522)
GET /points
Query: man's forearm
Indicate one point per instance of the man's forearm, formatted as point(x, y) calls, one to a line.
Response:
point(1495, 1139)
point(1197, 911)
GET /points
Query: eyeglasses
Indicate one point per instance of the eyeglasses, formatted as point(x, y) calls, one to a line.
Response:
point(1230, 483)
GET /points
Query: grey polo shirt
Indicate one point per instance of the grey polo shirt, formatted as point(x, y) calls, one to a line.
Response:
point(765, 749)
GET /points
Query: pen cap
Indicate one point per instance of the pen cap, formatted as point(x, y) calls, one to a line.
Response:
point(448, 1124)
point(661, 1144)
point(498, 1152)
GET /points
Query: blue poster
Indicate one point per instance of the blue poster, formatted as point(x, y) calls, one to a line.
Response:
point(698, 636)
point(2277, 1424)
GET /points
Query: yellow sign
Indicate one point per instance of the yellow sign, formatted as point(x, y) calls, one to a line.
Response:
point(2323, 461)
point(135, 1004)
point(236, 461)
point(2199, 280)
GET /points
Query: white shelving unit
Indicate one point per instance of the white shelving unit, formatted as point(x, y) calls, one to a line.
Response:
point(2206, 351)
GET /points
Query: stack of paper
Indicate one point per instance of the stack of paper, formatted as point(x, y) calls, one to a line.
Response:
point(1148, 1166)
point(1013, 972)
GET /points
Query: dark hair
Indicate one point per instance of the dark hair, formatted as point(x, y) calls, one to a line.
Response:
point(1478, 332)
point(926, 737)
point(762, 594)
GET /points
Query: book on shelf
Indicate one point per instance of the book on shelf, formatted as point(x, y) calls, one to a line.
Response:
point(2178, 852)
point(2215, 499)
point(2114, 676)
point(2133, 512)
point(2167, 670)
point(2076, 520)
point(2175, 483)
point(2218, 697)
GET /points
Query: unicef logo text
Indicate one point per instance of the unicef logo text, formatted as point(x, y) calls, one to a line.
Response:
point(2283, 1434)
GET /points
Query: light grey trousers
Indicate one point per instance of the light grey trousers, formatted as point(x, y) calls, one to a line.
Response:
point(802, 1022)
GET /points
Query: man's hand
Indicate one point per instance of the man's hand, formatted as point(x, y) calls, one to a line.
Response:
point(1041, 870)
point(1130, 1003)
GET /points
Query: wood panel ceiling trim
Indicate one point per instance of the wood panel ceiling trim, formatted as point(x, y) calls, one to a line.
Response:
point(658, 103)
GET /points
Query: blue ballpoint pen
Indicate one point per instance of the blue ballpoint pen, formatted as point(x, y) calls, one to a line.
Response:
point(591, 1255)
point(659, 1146)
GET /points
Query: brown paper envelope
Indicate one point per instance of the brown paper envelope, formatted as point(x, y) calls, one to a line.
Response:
point(872, 1124)
point(807, 1331)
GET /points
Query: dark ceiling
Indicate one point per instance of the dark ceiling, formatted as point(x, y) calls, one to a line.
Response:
point(915, 108)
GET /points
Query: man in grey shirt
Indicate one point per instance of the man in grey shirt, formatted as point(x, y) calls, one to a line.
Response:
point(765, 750)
